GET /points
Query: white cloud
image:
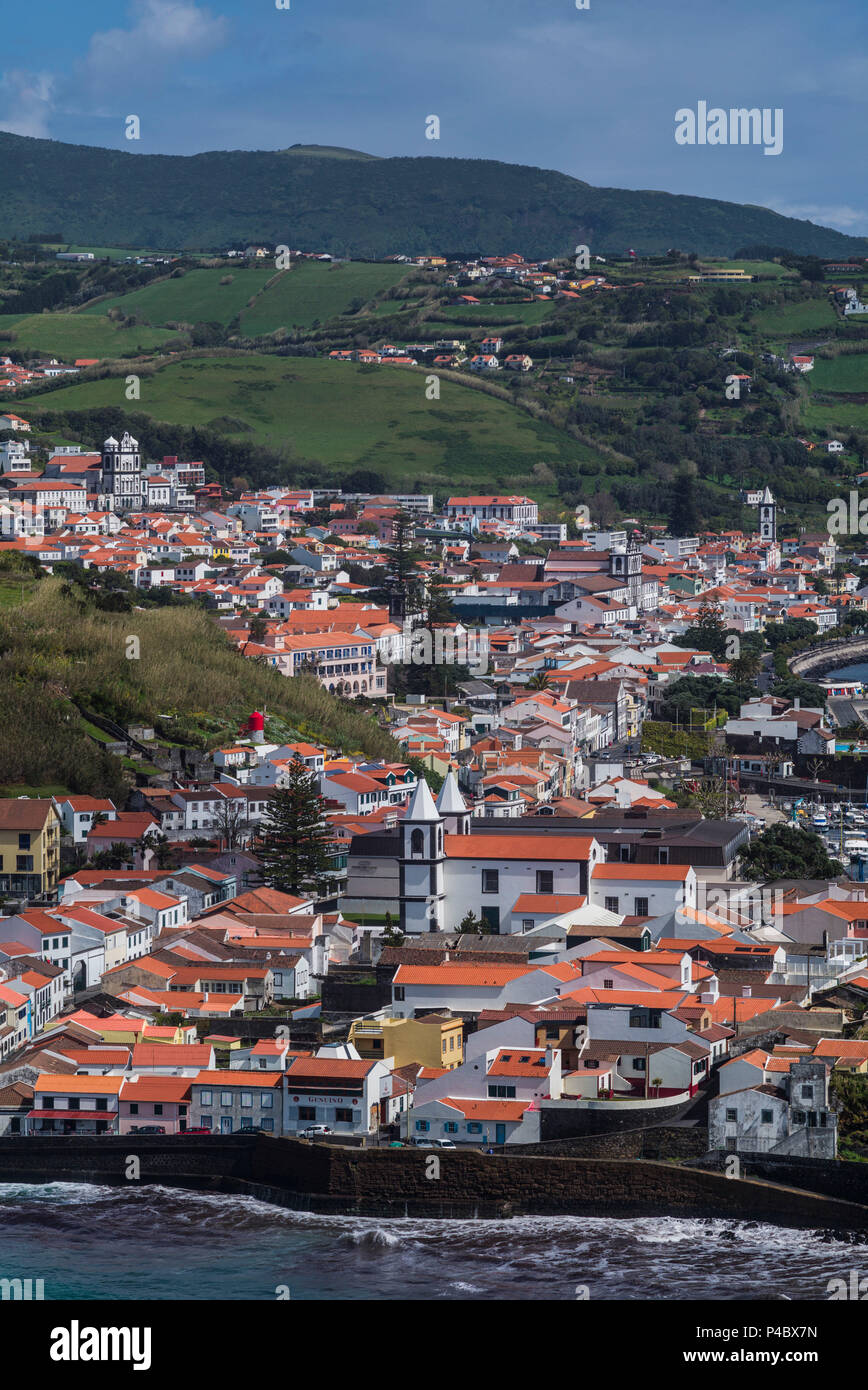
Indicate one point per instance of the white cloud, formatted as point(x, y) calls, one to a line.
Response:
point(26, 101)
point(838, 215)
point(164, 32)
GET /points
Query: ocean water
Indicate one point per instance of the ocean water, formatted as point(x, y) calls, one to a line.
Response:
point(93, 1242)
point(857, 672)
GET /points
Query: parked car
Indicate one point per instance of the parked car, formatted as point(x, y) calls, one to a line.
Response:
point(421, 1143)
point(197, 1129)
point(443, 1144)
point(147, 1129)
point(314, 1132)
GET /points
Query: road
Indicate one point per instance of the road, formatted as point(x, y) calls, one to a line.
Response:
point(758, 806)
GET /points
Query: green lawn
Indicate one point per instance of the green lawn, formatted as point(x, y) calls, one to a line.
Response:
point(68, 336)
point(348, 416)
point(315, 290)
point(198, 296)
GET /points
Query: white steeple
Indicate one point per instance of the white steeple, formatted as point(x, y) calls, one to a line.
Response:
point(420, 869)
point(453, 807)
point(422, 806)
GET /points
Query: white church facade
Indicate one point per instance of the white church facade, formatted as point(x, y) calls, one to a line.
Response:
point(434, 868)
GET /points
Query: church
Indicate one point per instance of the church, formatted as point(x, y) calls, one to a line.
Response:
point(436, 866)
point(122, 473)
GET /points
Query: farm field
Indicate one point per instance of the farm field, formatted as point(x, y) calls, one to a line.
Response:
point(312, 290)
point(348, 416)
point(196, 297)
point(835, 418)
point(783, 319)
point(846, 373)
point(67, 336)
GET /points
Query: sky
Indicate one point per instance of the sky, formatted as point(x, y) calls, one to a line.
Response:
point(591, 92)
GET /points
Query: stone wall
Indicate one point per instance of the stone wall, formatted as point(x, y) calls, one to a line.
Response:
point(829, 1177)
point(407, 1182)
point(561, 1121)
point(661, 1141)
point(828, 657)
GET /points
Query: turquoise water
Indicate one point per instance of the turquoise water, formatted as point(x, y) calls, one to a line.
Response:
point(90, 1242)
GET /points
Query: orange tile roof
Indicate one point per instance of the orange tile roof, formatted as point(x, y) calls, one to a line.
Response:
point(458, 975)
point(537, 846)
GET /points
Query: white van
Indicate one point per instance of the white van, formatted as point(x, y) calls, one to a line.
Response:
point(857, 849)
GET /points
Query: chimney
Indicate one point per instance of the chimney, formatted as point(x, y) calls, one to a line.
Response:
point(707, 997)
point(796, 704)
point(746, 991)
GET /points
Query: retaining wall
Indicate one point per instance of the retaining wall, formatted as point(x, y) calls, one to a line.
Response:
point(405, 1182)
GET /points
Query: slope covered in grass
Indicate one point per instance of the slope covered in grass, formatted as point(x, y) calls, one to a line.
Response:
point(348, 417)
point(58, 653)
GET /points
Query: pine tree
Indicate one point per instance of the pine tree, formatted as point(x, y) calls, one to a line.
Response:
point(392, 934)
point(295, 848)
point(684, 512)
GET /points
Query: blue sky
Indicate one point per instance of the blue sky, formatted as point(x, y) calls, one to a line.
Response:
point(590, 92)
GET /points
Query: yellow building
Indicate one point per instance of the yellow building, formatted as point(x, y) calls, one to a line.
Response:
point(433, 1041)
point(29, 847)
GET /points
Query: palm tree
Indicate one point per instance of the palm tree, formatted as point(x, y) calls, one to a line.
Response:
point(540, 681)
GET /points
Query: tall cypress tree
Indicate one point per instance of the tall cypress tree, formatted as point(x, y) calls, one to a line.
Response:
point(295, 848)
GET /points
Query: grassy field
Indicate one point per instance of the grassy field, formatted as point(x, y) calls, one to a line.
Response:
point(836, 418)
point(198, 296)
point(313, 290)
point(846, 373)
point(15, 590)
point(67, 336)
point(349, 416)
point(784, 319)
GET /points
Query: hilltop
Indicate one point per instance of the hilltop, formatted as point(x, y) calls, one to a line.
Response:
point(352, 204)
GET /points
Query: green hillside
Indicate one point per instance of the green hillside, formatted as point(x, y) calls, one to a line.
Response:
point(61, 653)
point(313, 291)
point(347, 416)
point(67, 336)
point(207, 296)
point(350, 204)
